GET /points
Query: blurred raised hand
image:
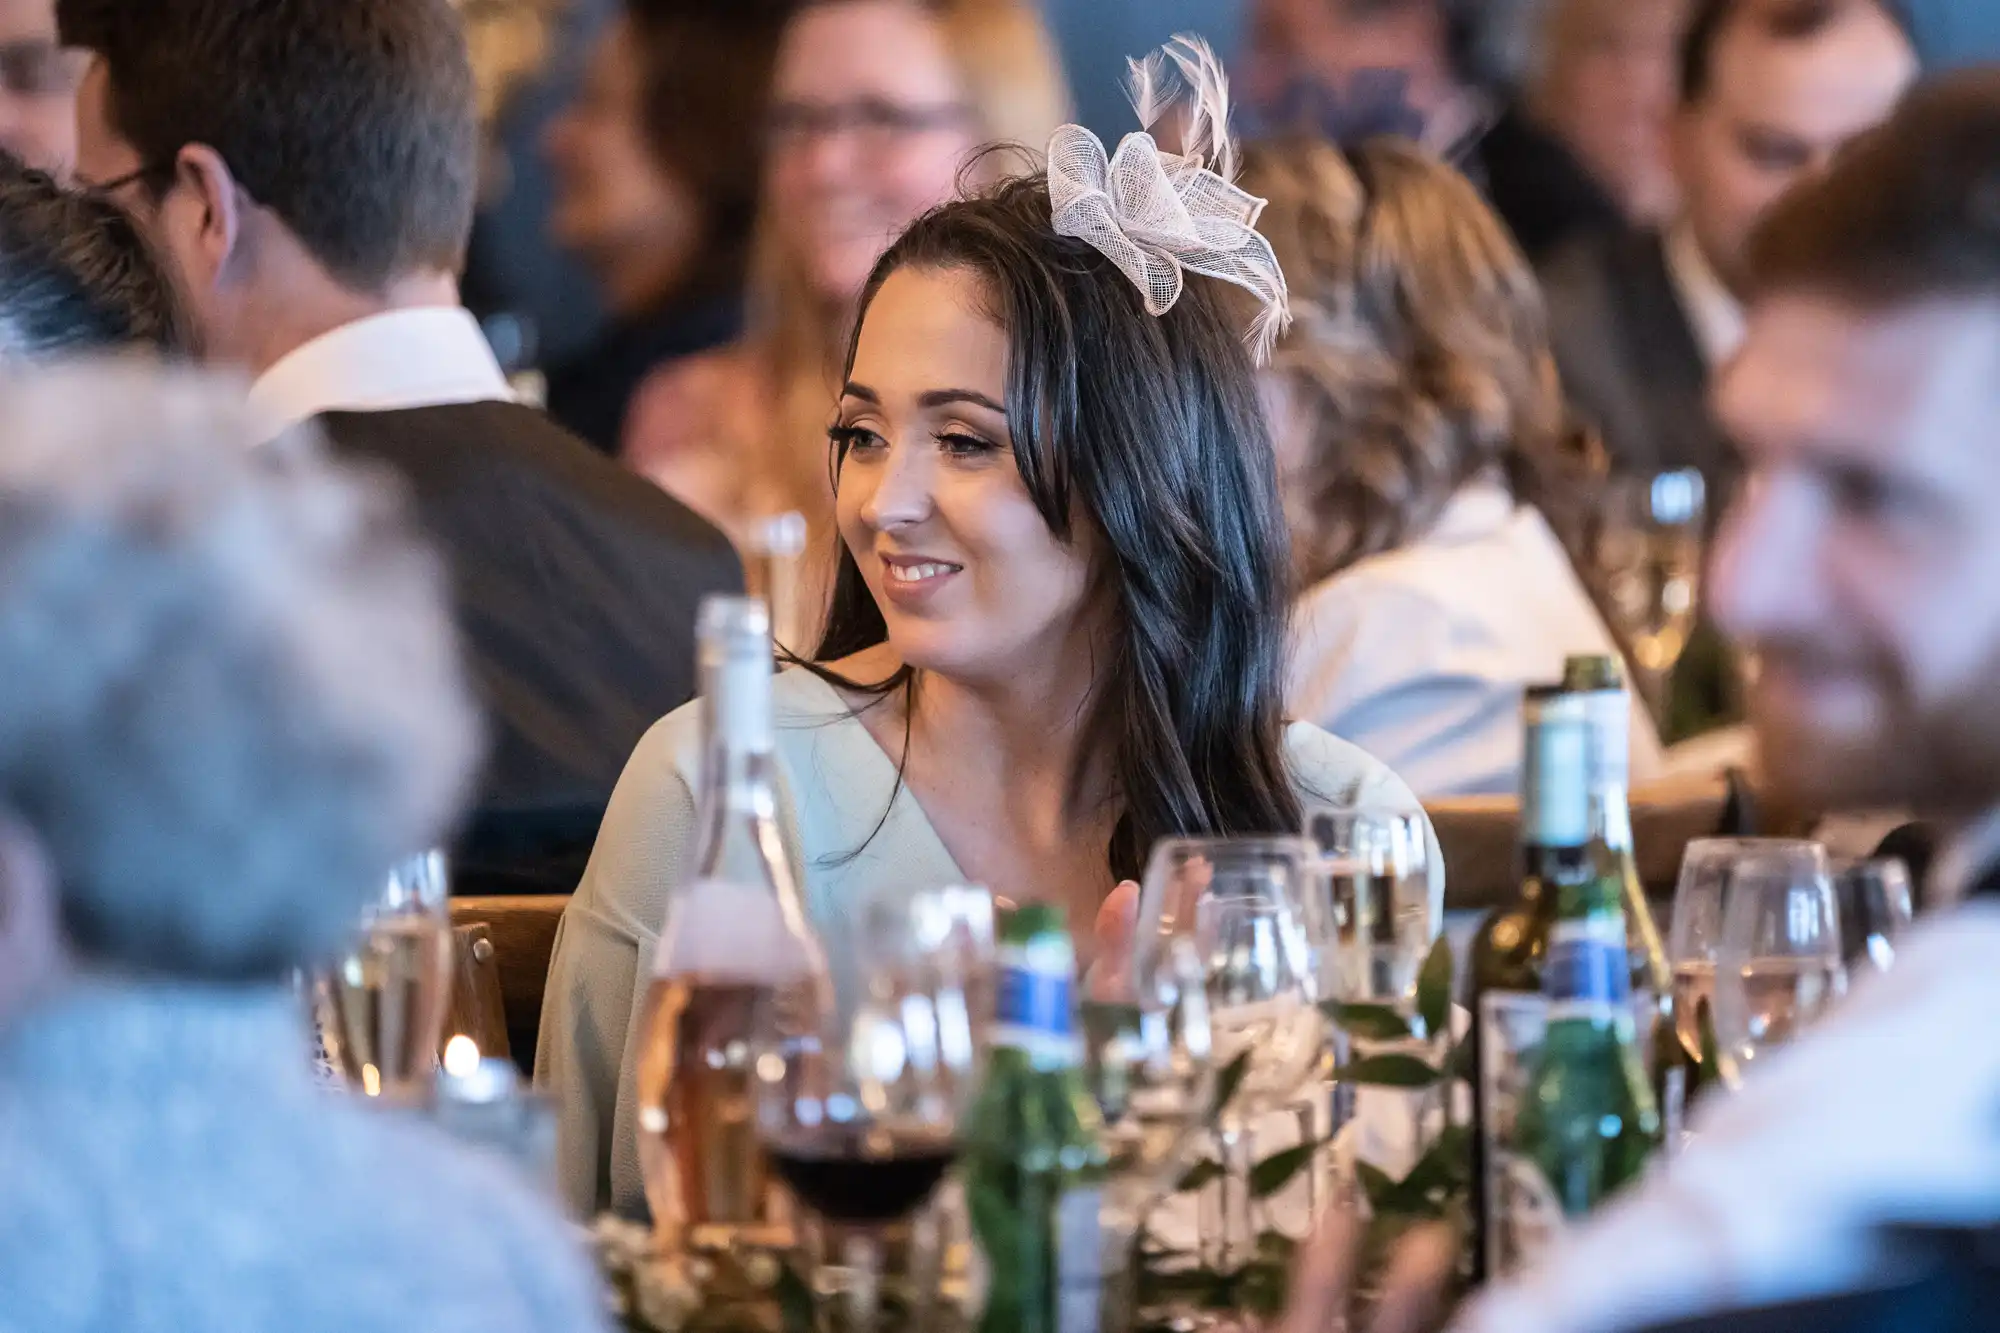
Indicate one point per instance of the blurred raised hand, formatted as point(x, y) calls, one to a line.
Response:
point(1412, 1289)
point(1110, 977)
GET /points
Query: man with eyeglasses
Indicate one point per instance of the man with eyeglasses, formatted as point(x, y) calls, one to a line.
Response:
point(38, 78)
point(308, 171)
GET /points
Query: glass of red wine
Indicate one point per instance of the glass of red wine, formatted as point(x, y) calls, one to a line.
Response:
point(858, 1097)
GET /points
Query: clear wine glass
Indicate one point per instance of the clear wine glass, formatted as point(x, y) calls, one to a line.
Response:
point(1875, 909)
point(1778, 967)
point(1248, 907)
point(380, 1006)
point(1649, 553)
point(1375, 863)
point(858, 1103)
point(1701, 897)
point(1149, 1061)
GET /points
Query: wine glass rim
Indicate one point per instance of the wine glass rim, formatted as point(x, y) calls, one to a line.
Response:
point(1295, 844)
point(1382, 809)
point(1754, 844)
point(1746, 857)
point(1848, 865)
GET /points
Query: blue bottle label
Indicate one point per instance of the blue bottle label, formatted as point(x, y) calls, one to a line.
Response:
point(1034, 1009)
point(1588, 974)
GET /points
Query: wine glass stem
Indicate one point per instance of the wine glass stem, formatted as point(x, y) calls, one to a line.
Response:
point(1238, 1244)
point(1314, 1112)
point(861, 1256)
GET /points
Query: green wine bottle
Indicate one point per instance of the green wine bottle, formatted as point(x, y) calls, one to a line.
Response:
point(1034, 1161)
point(1510, 946)
point(1599, 680)
point(1586, 1122)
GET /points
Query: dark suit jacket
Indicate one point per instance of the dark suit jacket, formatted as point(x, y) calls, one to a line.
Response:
point(1547, 198)
point(576, 586)
point(1630, 364)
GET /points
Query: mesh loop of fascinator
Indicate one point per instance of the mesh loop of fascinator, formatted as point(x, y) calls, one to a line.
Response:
point(1159, 215)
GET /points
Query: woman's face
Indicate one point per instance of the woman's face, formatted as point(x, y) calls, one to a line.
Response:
point(868, 130)
point(615, 206)
point(971, 582)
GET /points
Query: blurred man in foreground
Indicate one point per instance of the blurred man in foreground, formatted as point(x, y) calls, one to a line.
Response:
point(232, 697)
point(1862, 564)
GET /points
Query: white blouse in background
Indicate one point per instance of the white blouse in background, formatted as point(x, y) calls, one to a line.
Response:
point(1420, 655)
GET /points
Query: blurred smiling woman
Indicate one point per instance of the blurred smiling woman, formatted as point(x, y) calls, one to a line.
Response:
point(1056, 627)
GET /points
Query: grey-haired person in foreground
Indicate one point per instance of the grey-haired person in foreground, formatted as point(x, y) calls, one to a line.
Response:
point(229, 696)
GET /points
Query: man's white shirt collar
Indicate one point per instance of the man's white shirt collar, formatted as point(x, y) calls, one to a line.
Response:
point(428, 356)
point(1712, 310)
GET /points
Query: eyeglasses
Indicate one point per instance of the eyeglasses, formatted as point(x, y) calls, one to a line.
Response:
point(873, 122)
point(37, 67)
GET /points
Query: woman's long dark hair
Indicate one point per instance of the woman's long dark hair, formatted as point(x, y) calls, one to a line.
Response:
point(1150, 431)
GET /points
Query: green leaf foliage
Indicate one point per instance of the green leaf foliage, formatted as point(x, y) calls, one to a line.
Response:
point(1277, 1171)
point(1434, 990)
point(1369, 1022)
point(1439, 1175)
point(1200, 1176)
point(1376, 1184)
point(1228, 1082)
point(1389, 1071)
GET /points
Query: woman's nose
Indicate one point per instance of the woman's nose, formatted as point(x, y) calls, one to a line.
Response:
point(902, 495)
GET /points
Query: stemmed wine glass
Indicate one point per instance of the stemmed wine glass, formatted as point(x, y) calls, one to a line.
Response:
point(380, 1007)
point(1778, 966)
point(1709, 868)
point(1649, 552)
point(857, 1104)
point(1375, 865)
point(1149, 1062)
point(1875, 909)
point(1375, 861)
point(1247, 906)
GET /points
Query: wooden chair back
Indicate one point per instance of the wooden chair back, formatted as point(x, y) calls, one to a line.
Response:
point(502, 947)
point(1480, 837)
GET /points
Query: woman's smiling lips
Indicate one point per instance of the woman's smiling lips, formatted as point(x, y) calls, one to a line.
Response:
point(912, 579)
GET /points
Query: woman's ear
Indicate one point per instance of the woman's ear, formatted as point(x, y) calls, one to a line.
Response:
point(33, 955)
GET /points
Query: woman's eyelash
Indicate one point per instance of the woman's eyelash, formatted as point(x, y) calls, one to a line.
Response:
point(847, 437)
point(963, 443)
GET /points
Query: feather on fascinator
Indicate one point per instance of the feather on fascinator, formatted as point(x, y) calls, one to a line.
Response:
point(1160, 215)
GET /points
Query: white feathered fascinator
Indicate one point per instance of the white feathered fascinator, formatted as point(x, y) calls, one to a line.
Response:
point(1158, 215)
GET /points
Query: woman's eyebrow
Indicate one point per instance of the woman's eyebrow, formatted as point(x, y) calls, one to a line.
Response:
point(947, 397)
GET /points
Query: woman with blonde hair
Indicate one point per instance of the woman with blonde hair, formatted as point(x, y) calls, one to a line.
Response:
point(879, 111)
point(1422, 444)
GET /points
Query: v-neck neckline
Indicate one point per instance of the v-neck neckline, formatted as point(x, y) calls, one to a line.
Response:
point(904, 810)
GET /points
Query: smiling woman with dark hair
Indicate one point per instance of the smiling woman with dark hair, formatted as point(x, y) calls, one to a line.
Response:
point(1059, 615)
